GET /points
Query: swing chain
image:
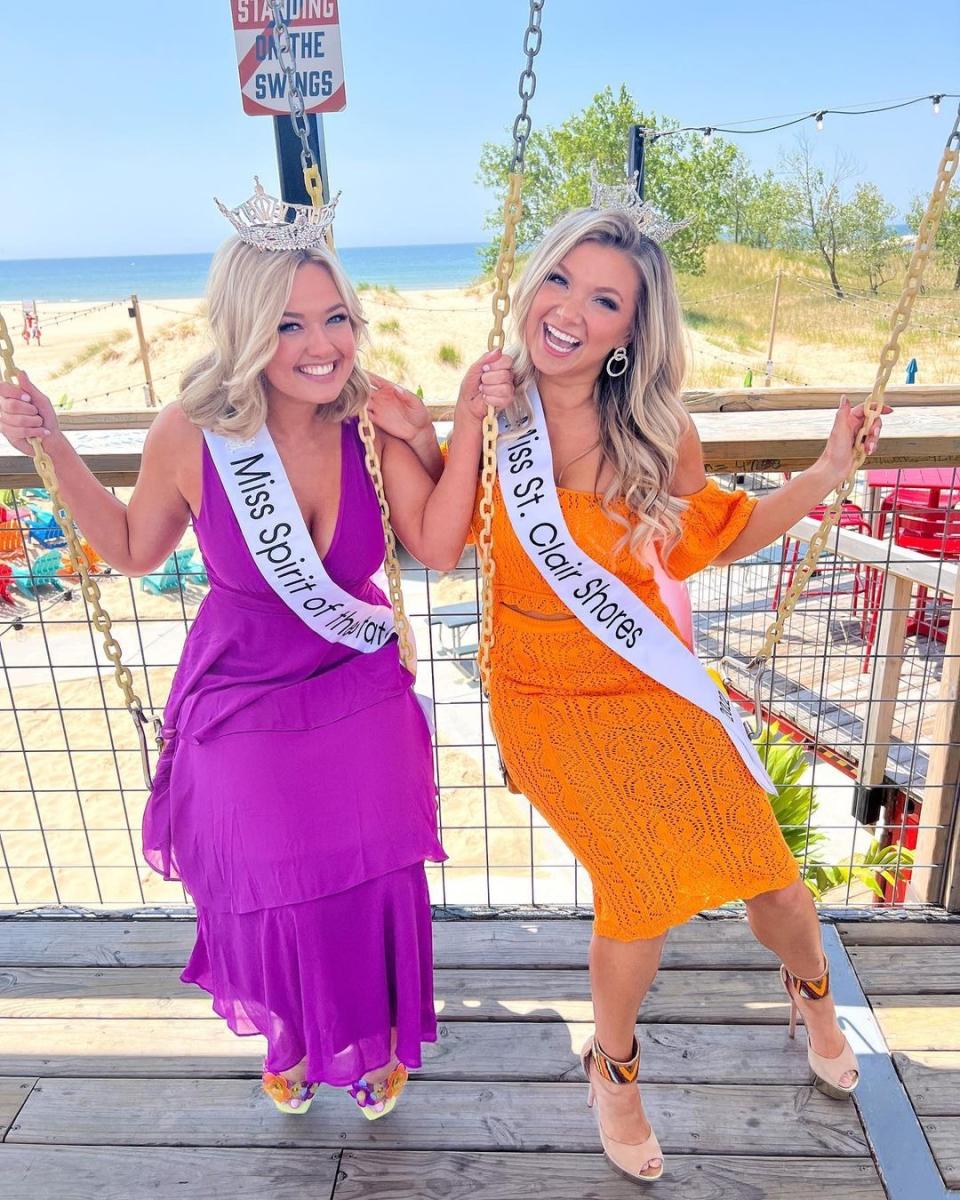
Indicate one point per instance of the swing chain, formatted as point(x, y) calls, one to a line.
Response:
point(522, 126)
point(100, 618)
point(926, 236)
point(408, 653)
point(288, 64)
point(314, 186)
point(512, 212)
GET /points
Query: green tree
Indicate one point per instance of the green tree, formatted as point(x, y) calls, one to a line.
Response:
point(770, 214)
point(871, 242)
point(817, 197)
point(683, 177)
point(738, 191)
point(948, 235)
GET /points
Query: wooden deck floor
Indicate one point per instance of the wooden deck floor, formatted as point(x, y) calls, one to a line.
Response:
point(117, 1082)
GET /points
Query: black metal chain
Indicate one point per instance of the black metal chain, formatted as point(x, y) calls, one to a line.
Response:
point(288, 65)
point(522, 126)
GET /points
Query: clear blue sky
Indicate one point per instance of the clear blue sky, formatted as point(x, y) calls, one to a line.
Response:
point(122, 121)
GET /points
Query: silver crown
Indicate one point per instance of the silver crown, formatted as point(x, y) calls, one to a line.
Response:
point(625, 198)
point(271, 224)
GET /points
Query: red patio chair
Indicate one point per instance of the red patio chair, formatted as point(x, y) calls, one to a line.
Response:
point(913, 496)
point(931, 531)
point(6, 579)
point(851, 517)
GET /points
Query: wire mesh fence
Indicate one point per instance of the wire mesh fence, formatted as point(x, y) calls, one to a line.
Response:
point(863, 685)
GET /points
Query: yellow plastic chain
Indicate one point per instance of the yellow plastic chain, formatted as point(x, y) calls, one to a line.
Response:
point(408, 654)
point(926, 236)
point(100, 618)
point(512, 212)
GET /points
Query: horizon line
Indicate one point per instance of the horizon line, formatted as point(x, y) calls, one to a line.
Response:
point(188, 253)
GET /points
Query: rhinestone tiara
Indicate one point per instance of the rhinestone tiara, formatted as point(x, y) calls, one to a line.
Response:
point(625, 198)
point(271, 224)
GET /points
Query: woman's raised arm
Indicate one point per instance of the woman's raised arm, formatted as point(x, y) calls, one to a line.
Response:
point(432, 519)
point(134, 538)
point(778, 510)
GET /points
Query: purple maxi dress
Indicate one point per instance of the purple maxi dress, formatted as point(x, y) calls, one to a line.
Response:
point(295, 799)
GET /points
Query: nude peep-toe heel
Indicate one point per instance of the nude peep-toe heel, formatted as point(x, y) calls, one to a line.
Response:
point(827, 1071)
point(629, 1158)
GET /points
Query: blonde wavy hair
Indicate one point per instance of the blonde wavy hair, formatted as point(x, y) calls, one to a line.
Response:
point(247, 293)
point(642, 417)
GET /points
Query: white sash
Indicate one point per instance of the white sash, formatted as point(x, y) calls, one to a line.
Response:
point(280, 544)
point(605, 605)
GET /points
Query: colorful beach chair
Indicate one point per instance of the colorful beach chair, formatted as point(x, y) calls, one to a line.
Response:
point(171, 576)
point(29, 578)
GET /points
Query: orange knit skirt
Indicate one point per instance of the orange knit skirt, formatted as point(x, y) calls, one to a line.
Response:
point(644, 788)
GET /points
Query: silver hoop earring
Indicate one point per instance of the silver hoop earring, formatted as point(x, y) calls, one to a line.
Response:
point(618, 356)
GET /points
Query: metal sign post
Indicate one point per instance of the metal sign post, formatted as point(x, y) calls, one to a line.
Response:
point(292, 186)
point(635, 154)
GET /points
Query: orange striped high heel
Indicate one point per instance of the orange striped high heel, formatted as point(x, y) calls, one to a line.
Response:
point(633, 1159)
point(827, 1071)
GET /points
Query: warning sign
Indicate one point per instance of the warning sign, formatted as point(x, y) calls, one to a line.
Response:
point(314, 31)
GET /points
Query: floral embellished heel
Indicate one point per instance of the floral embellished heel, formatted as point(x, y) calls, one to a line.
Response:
point(289, 1097)
point(377, 1099)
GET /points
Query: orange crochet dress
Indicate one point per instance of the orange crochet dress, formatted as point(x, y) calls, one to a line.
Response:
point(642, 786)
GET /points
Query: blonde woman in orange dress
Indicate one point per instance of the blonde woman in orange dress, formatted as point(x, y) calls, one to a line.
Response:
point(654, 792)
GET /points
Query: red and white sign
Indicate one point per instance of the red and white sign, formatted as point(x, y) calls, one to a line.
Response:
point(314, 28)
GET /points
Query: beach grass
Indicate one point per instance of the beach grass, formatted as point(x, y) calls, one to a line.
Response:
point(449, 355)
point(731, 304)
point(387, 361)
point(103, 349)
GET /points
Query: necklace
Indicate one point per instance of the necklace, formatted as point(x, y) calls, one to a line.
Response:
point(576, 458)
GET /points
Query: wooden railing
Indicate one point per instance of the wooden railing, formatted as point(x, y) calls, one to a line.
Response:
point(756, 437)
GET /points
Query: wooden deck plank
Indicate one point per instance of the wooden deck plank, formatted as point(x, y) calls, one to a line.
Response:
point(754, 997)
point(556, 943)
point(932, 1080)
point(434, 1116)
point(125, 1172)
point(900, 933)
point(400, 1175)
point(919, 1022)
point(545, 1052)
point(927, 970)
point(943, 1134)
point(495, 943)
point(13, 1095)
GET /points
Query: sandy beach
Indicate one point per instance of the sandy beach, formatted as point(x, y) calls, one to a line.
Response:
point(89, 356)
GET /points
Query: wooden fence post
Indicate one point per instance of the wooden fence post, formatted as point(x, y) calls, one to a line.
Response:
point(884, 685)
point(134, 311)
point(773, 327)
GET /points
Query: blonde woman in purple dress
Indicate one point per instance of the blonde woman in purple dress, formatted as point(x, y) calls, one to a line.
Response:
point(295, 795)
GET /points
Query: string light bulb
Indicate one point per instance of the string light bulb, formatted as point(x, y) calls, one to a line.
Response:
point(707, 136)
point(819, 122)
point(936, 104)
